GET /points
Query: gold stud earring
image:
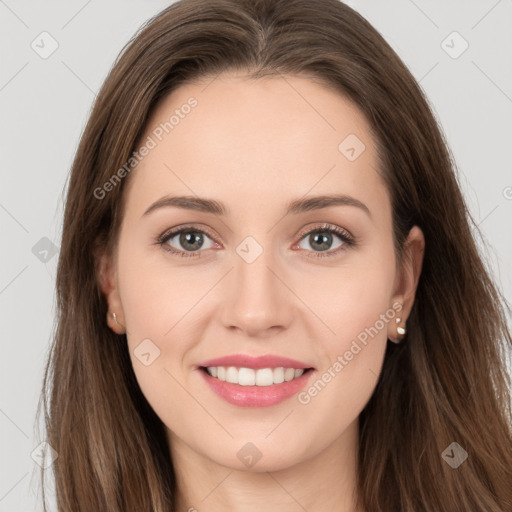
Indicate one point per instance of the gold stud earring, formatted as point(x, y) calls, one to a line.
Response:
point(115, 319)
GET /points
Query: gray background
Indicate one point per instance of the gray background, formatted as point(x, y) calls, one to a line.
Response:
point(45, 104)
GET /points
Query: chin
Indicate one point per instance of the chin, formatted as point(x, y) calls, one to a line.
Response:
point(258, 456)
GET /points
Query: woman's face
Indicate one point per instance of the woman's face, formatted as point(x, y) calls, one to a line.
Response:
point(286, 255)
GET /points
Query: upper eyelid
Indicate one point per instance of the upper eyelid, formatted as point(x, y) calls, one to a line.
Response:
point(324, 226)
point(172, 232)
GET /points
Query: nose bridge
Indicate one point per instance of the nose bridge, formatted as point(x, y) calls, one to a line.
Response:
point(257, 300)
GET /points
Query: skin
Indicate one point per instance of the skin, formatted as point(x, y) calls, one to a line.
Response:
point(255, 146)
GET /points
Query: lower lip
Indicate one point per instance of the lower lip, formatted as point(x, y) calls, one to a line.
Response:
point(256, 396)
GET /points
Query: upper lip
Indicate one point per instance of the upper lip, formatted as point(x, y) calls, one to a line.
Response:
point(246, 361)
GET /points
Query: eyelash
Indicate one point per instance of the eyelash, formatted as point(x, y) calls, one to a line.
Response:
point(347, 239)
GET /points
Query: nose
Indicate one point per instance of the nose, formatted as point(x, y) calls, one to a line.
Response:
point(258, 302)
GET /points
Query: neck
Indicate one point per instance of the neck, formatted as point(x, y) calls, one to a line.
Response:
point(325, 482)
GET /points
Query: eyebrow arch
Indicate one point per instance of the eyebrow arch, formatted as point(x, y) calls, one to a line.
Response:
point(319, 202)
point(294, 207)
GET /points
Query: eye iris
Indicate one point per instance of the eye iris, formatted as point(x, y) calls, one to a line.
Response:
point(322, 238)
point(188, 238)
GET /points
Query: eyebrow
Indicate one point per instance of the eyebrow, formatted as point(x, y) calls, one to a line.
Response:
point(294, 207)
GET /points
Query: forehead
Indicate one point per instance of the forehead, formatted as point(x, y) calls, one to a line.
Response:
point(277, 138)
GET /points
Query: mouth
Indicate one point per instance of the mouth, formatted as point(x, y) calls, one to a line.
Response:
point(263, 381)
point(261, 377)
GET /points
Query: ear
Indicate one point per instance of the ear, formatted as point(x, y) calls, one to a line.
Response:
point(407, 278)
point(107, 279)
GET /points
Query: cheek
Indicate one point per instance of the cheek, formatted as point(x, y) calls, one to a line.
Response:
point(352, 297)
point(164, 317)
point(359, 311)
point(156, 297)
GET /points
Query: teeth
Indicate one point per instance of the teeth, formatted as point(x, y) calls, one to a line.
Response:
point(246, 377)
point(278, 375)
point(250, 377)
point(264, 377)
point(289, 374)
point(232, 375)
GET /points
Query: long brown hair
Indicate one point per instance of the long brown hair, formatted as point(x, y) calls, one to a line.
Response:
point(447, 382)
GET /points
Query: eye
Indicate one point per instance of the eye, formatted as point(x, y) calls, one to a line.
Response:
point(186, 241)
point(322, 238)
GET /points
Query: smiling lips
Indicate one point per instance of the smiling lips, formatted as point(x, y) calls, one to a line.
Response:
point(255, 381)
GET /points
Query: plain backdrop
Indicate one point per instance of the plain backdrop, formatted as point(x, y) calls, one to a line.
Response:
point(55, 56)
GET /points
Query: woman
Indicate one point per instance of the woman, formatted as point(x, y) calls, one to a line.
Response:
point(269, 293)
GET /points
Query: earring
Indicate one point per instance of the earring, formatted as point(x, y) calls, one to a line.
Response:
point(120, 329)
point(400, 330)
